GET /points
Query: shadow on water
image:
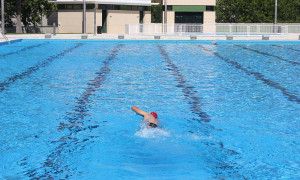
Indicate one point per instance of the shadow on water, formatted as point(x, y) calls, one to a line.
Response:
point(54, 163)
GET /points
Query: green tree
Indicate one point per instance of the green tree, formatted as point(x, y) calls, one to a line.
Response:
point(227, 11)
point(289, 11)
point(156, 16)
point(33, 10)
point(29, 12)
point(257, 11)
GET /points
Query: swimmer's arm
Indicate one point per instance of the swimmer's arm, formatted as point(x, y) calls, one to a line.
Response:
point(140, 112)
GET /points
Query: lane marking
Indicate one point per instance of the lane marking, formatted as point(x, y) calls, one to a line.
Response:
point(257, 75)
point(267, 54)
point(33, 69)
point(52, 163)
point(189, 91)
point(23, 49)
point(284, 47)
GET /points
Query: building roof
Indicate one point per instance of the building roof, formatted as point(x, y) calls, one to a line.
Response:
point(118, 2)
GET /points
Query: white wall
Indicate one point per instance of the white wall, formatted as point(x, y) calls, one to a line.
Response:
point(71, 21)
point(117, 19)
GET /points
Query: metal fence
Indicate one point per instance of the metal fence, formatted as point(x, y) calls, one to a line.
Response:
point(218, 28)
point(3, 35)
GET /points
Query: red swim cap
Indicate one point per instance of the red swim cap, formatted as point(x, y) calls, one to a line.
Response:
point(154, 114)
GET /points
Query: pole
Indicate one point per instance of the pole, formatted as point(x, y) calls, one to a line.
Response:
point(165, 17)
point(166, 11)
point(275, 18)
point(54, 29)
point(84, 17)
point(275, 21)
point(95, 24)
point(2, 17)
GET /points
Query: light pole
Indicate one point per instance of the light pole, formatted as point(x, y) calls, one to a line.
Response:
point(2, 17)
point(166, 12)
point(84, 17)
point(165, 16)
point(275, 21)
point(95, 22)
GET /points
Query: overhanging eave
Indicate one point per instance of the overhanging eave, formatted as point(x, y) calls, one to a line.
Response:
point(103, 2)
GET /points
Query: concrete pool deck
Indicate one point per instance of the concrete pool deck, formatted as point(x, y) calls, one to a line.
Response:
point(280, 37)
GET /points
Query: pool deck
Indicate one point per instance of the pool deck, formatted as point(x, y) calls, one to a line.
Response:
point(280, 37)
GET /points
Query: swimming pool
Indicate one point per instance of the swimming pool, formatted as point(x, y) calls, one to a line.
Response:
point(229, 111)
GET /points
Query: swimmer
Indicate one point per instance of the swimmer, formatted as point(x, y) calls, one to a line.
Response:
point(151, 118)
point(213, 43)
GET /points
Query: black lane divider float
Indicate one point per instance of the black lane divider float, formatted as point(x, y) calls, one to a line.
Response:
point(53, 163)
point(35, 68)
point(267, 54)
point(189, 91)
point(258, 76)
point(82, 102)
point(286, 47)
point(23, 49)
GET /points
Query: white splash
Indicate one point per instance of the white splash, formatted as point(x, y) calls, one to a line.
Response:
point(147, 132)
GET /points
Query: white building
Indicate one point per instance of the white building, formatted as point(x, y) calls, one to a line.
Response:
point(109, 16)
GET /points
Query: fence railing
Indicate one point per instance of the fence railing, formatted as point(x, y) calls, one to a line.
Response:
point(218, 28)
point(4, 36)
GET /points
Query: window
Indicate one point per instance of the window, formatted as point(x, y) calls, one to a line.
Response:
point(74, 6)
point(189, 17)
point(123, 7)
point(117, 7)
point(134, 8)
point(77, 6)
point(210, 8)
point(90, 6)
point(170, 8)
point(61, 6)
point(69, 6)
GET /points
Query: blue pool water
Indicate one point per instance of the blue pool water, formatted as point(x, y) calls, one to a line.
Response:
point(229, 111)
